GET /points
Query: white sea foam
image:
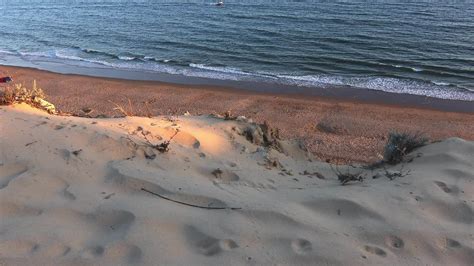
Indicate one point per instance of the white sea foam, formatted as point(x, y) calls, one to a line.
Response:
point(437, 89)
point(66, 55)
point(38, 54)
point(230, 70)
point(126, 58)
point(440, 83)
point(416, 69)
point(441, 90)
point(7, 52)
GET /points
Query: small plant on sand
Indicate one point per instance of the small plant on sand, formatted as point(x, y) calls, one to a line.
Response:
point(263, 135)
point(21, 94)
point(122, 109)
point(34, 96)
point(161, 147)
point(400, 144)
point(346, 177)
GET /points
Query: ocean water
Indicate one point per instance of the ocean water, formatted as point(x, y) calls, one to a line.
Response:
point(414, 47)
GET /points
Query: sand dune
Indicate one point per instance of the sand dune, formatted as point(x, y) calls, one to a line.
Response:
point(82, 191)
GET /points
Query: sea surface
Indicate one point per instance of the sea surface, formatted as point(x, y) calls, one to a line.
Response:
point(414, 47)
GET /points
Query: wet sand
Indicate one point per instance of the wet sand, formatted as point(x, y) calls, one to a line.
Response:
point(334, 128)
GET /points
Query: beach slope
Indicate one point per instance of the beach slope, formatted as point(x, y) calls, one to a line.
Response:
point(202, 190)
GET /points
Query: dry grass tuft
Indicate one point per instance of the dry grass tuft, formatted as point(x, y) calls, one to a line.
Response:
point(400, 144)
point(122, 109)
point(21, 94)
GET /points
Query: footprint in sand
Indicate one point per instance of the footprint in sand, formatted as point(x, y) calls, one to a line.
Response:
point(92, 252)
point(187, 140)
point(451, 243)
point(68, 195)
point(205, 244)
point(375, 250)
point(8, 172)
point(208, 246)
point(122, 249)
point(227, 244)
point(443, 186)
point(301, 246)
point(394, 242)
point(65, 154)
point(224, 175)
point(114, 220)
point(17, 248)
point(10, 209)
point(55, 250)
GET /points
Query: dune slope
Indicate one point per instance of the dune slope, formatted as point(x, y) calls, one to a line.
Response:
point(94, 191)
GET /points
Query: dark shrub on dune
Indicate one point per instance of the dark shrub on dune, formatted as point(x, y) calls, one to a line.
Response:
point(400, 144)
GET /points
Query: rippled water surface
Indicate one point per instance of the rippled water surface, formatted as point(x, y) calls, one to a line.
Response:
point(424, 48)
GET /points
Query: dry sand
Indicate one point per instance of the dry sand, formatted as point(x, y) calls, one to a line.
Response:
point(71, 193)
point(341, 130)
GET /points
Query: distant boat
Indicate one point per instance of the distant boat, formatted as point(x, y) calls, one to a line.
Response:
point(220, 3)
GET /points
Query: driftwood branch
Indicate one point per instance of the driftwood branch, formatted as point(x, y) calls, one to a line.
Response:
point(31, 143)
point(188, 204)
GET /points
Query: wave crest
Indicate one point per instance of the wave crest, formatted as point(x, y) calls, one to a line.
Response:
point(93, 58)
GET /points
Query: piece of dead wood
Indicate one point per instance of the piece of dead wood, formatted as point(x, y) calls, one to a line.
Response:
point(76, 153)
point(31, 143)
point(311, 175)
point(347, 177)
point(189, 204)
point(217, 173)
point(87, 110)
point(394, 174)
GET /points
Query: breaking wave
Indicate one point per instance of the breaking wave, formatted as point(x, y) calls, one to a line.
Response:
point(92, 58)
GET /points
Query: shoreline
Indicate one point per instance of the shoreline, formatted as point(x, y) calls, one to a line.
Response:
point(337, 129)
point(345, 93)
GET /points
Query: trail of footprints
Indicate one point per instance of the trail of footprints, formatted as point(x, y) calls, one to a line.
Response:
point(107, 226)
point(110, 222)
point(113, 225)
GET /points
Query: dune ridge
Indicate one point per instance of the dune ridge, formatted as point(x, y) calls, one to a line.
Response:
point(71, 192)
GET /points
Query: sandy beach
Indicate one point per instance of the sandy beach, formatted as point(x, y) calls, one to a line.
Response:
point(86, 191)
point(202, 133)
point(338, 129)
